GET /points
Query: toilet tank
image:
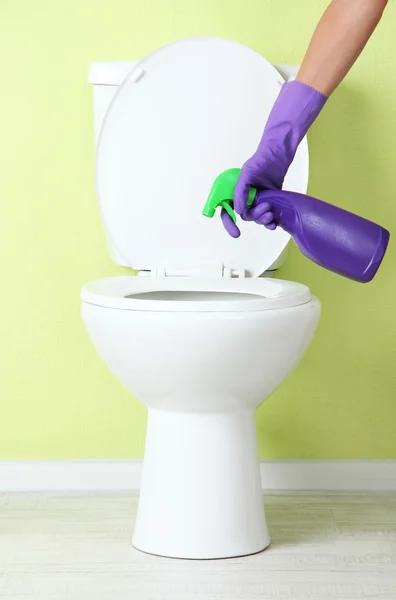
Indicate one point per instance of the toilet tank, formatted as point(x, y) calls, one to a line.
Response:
point(106, 77)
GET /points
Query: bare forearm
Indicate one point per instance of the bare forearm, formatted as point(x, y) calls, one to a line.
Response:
point(339, 38)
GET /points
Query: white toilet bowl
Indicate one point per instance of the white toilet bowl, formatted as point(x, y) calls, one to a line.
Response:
point(201, 355)
point(199, 337)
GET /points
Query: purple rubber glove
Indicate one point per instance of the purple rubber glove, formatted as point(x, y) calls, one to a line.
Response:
point(294, 111)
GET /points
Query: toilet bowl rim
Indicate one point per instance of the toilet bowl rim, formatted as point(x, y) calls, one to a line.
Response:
point(266, 294)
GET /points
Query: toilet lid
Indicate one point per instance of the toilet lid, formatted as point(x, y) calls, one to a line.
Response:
point(183, 115)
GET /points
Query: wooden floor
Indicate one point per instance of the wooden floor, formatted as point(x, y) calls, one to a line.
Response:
point(77, 547)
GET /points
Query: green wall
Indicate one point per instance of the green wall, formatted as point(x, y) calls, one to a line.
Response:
point(57, 399)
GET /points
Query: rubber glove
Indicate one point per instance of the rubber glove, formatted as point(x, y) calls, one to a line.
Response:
point(294, 111)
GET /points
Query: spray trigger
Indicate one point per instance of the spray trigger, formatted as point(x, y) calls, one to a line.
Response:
point(222, 194)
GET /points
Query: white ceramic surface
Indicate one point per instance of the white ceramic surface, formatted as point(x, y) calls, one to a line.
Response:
point(201, 374)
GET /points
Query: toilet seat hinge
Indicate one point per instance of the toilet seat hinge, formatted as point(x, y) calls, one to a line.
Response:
point(198, 272)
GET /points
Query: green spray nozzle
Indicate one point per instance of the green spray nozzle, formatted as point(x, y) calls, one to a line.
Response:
point(222, 194)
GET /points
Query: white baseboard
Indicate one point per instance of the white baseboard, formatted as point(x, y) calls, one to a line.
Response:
point(125, 475)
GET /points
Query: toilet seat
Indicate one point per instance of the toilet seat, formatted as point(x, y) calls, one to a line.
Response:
point(186, 294)
point(184, 114)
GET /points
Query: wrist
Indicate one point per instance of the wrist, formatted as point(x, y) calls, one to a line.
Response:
point(296, 107)
point(294, 111)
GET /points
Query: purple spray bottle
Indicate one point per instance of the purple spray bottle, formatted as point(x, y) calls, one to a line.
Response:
point(333, 238)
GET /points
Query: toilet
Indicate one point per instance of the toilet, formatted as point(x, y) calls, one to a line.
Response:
point(201, 333)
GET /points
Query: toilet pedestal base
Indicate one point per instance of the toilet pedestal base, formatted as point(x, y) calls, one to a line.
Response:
point(201, 494)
